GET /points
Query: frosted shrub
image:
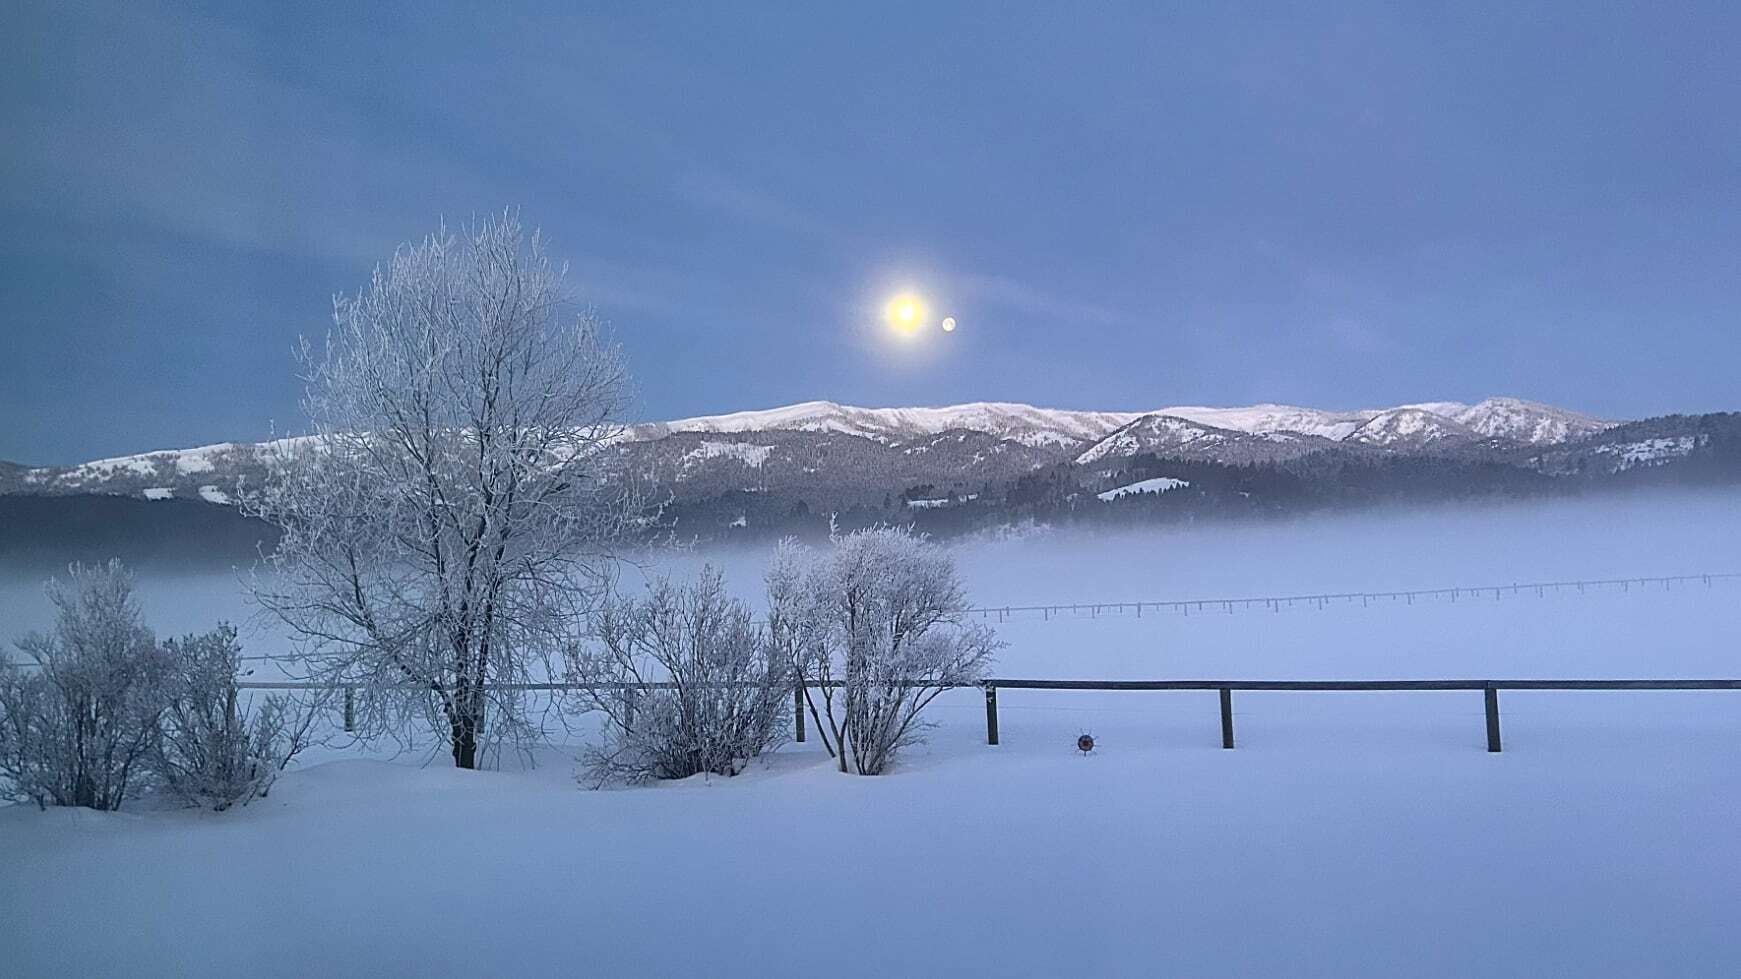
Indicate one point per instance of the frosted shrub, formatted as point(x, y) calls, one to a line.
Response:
point(78, 727)
point(875, 627)
point(211, 752)
point(688, 681)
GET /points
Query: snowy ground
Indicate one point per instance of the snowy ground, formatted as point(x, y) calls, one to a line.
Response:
point(1349, 834)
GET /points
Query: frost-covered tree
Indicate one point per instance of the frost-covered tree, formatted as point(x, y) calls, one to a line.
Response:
point(442, 526)
point(876, 628)
point(211, 750)
point(78, 723)
point(688, 681)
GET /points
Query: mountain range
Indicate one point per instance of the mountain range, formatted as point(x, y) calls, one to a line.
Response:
point(971, 465)
point(1513, 418)
point(1264, 431)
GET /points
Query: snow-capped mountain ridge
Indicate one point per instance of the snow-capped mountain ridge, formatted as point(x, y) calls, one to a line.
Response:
point(1410, 426)
point(1525, 421)
point(1528, 421)
point(1182, 438)
point(1003, 430)
point(1020, 422)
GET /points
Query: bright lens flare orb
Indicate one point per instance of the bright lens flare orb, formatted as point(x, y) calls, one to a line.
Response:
point(905, 313)
point(948, 324)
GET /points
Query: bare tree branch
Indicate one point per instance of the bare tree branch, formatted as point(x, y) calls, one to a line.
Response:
point(448, 521)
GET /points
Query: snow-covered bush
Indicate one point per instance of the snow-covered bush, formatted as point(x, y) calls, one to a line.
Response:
point(687, 680)
point(875, 627)
point(80, 721)
point(210, 751)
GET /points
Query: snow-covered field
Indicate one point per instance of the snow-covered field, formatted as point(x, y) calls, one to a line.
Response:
point(1349, 834)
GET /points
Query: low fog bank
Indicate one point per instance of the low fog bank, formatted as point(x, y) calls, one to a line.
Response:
point(1639, 535)
point(1631, 536)
point(1681, 630)
point(176, 601)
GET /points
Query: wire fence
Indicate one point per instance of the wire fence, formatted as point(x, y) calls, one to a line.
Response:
point(1365, 599)
point(1069, 611)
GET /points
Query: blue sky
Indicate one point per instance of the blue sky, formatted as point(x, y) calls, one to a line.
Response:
point(1125, 206)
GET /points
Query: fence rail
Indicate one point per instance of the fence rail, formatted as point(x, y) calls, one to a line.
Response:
point(1225, 688)
point(1489, 692)
point(1363, 684)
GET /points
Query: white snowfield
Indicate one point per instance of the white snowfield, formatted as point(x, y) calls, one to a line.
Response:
point(751, 455)
point(942, 502)
point(1653, 451)
point(1348, 834)
point(1159, 484)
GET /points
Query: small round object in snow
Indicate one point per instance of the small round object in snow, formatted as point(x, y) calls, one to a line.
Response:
point(1085, 743)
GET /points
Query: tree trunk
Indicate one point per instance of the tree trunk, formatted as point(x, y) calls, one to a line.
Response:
point(467, 722)
point(465, 743)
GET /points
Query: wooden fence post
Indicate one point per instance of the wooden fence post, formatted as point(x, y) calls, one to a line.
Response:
point(1492, 697)
point(990, 714)
point(350, 709)
point(798, 710)
point(1226, 717)
point(628, 709)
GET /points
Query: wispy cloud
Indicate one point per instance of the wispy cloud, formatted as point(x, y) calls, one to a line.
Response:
point(1024, 298)
point(717, 191)
point(613, 286)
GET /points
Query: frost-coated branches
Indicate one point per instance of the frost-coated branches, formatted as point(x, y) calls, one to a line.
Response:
point(447, 520)
point(876, 628)
point(689, 683)
point(212, 751)
point(77, 729)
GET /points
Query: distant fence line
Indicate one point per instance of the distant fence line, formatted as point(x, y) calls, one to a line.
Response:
point(1323, 600)
point(1228, 606)
point(1225, 688)
point(1276, 603)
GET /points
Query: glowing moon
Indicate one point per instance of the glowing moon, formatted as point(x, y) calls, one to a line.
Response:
point(905, 313)
point(948, 324)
